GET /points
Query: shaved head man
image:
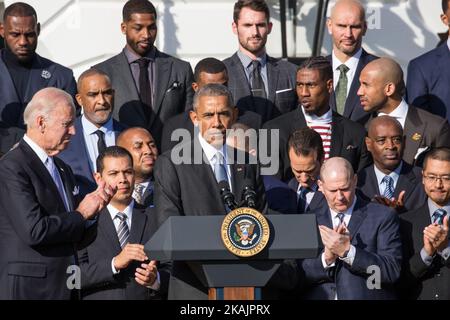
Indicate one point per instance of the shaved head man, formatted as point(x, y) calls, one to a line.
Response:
point(381, 92)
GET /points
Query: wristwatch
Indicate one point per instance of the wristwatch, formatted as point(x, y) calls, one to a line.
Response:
point(345, 254)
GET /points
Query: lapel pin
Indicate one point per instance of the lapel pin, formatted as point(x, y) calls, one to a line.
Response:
point(46, 74)
point(416, 136)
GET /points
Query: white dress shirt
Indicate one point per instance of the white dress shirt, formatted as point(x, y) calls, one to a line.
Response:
point(351, 63)
point(380, 175)
point(91, 138)
point(398, 113)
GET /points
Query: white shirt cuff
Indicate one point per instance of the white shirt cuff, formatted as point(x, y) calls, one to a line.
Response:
point(157, 284)
point(324, 263)
point(113, 268)
point(350, 256)
point(425, 257)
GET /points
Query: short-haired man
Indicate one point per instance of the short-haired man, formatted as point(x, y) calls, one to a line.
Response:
point(151, 86)
point(358, 237)
point(259, 83)
point(347, 26)
point(381, 93)
point(340, 136)
point(22, 71)
point(142, 147)
point(39, 213)
point(390, 180)
point(95, 129)
point(425, 233)
point(114, 265)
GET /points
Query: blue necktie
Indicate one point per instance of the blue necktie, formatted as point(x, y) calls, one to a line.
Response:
point(301, 202)
point(389, 190)
point(220, 172)
point(438, 216)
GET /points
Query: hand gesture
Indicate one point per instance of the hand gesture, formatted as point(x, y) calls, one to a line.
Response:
point(397, 204)
point(337, 240)
point(436, 237)
point(146, 275)
point(131, 252)
point(96, 201)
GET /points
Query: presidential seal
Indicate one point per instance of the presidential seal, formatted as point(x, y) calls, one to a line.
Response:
point(245, 232)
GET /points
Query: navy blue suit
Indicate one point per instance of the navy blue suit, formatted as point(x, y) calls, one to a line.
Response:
point(318, 201)
point(410, 180)
point(44, 73)
point(279, 196)
point(77, 157)
point(428, 81)
point(353, 109)
point(374, 231)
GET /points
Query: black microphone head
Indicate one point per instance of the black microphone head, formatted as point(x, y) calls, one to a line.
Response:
point(249, 194)
point(224, 186)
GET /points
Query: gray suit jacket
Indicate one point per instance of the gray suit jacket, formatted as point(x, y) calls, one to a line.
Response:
point(173, 91)
point(282, 95)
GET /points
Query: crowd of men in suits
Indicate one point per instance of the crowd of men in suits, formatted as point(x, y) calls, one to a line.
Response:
point(91, 169)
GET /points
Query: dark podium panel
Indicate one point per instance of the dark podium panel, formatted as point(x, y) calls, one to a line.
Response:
point(197, 241)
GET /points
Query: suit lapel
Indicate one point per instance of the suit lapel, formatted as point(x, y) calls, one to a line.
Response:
point(67, 183)
point(272, 78)
point(161, 82)
point(8, 91)
point(414, 132)
point(352, 96)
point(337, 132)
point(78, 139)
point(405, 181)
point(323, 216)
point(358, 215)
point(139, 220)
point(371, 187)
point(106, 225)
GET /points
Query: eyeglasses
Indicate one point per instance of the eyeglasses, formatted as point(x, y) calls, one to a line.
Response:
point(433, 179)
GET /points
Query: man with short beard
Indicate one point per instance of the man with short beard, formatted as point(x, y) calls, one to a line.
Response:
point(94, 129)
point(259, 83)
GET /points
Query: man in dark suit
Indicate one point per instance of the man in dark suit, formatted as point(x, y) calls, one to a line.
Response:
point(381, 93)
point(362, 251)
point(188, 185)
point(208, 70)
point(259, 83)
point(142, 147)
point(426, 273)
point(390, 180)
point(22, 71)
point(39, 216)
point(94, 129)
point(306, 157)
point(163, 89)
point(347, 25)
point(340, 136)
point(429, 76)
point(114, 265)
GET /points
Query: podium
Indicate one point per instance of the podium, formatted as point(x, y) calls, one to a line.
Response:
point(196, 240)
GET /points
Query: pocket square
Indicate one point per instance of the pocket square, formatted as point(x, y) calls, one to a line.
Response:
point(283, 90)
point(76, 190)
point(175, 85)
point(350, 147)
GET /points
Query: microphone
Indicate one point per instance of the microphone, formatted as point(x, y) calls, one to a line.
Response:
point(227, 196)
point(249, 196)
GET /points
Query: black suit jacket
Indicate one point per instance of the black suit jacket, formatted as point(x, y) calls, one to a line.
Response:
point(353, 109)
point(97, 279)
point(318, 200)
point(347, 140)
point(191, 189)
point(180, 121)
point(172, 91)
point(418, 280)
point(422, 130)
point(410, 180)
point(281, 97)
point(37, 233)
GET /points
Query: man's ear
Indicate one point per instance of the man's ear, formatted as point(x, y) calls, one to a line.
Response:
point(97, 177)
point(123, 27)
point(193, 116)
point(2, 30)
point(38, 29)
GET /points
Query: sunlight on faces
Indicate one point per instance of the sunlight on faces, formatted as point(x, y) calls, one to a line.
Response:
point(252, 29)
point(57, 129)
point(207, 78)
point(372, 90)
point(213, 117)
point(118, 173)
point(347, 27)
point(96, 96)
point(439, 190)
point(305, 168)
point(338, 189)
point(140, 32)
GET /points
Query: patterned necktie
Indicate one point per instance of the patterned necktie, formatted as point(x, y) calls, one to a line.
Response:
point(257, 83)
point(139, 193)
point(123, 232)
point(438, 216)
point(340, 216)
point(220, 172)
point(51, 167)
point(101, 144)
point(145, 89)
point(301, 202)
point(389, 190)
point(341, 89)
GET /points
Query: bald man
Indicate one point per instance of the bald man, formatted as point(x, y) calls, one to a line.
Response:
point(390, 180)
point(347, 26)
point(362, 254)
point(381, 92)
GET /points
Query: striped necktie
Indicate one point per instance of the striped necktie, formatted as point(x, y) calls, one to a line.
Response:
point(123, 232)
point(389, 190)
point(438, 216)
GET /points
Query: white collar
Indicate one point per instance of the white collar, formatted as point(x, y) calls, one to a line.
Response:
point(210, 151)
point(351, 63)
point(398, 113)
point(90, 128)
point(394, 174)
point(348, 212)
point(42, 155)
point(128, 211)
point(326, 117)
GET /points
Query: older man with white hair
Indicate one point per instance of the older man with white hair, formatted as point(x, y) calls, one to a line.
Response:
point(362, 254)
point(39, 217)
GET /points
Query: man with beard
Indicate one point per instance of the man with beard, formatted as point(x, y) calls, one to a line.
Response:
point(347, 26)
point(142, 147)
point(259, 83)
point(151, 86)
point(94, 129)
point(340, 136)
point(23, 72)
point(390, 180)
